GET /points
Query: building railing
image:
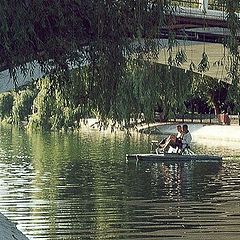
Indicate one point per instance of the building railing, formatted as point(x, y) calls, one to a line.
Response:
point(195, 118)
point(204, 5)
point(222, 118)
point(207, 9)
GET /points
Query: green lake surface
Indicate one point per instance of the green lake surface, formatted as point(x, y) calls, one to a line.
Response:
point(79, 186)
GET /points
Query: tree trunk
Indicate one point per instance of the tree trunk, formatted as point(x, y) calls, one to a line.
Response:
point(217, 109)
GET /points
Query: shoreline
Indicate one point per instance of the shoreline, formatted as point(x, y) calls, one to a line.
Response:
point(199, 131)
point(9, 230)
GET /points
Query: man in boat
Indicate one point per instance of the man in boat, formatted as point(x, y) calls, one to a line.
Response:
point(186, 138)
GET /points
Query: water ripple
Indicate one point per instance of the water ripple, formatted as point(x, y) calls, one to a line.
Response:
point(57, 187)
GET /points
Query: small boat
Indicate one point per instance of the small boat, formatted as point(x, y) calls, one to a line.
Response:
point(162, 157)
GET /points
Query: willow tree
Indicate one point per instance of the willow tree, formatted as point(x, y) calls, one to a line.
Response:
point(233, 44)
point(220, 93)
point(6, 104)
point(106, 35)
point(212, 91)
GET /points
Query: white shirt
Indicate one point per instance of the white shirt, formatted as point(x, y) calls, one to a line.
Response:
point(179, 134)
point(187, 138)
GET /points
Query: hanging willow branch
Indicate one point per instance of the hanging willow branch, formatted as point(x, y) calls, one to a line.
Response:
point(63, 34)
point(232, 11)
point(63, 30)
point(101, 39)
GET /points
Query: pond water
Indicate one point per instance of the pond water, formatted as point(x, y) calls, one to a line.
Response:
point(79, 186)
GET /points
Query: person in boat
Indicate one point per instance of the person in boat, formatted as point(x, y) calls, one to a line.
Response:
point(181, 143)
point(186, 138)
point(172, 143)
point(178, 142)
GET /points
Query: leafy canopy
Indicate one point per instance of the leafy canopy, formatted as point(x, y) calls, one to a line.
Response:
point(107, 36)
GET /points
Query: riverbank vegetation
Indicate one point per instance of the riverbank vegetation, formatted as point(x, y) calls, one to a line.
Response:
point(143, 87)
point(143, 90)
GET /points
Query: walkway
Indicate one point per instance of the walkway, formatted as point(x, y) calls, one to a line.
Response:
point(215, 134)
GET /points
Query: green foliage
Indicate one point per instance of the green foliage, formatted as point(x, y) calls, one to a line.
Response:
point(232, 42)
point(104, 35)
point(42, 105)
point(204, 65)
point(145, 87)
point(55, 108)
point(22, 105)
point(6, 104)
point(233, 97)
point(211, 90)
point(105, 41)
point(142, 88)
point(66, 31)
point(181, 57)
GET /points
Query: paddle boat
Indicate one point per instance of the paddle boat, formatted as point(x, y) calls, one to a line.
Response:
point(184, 155)
point(173, 157)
